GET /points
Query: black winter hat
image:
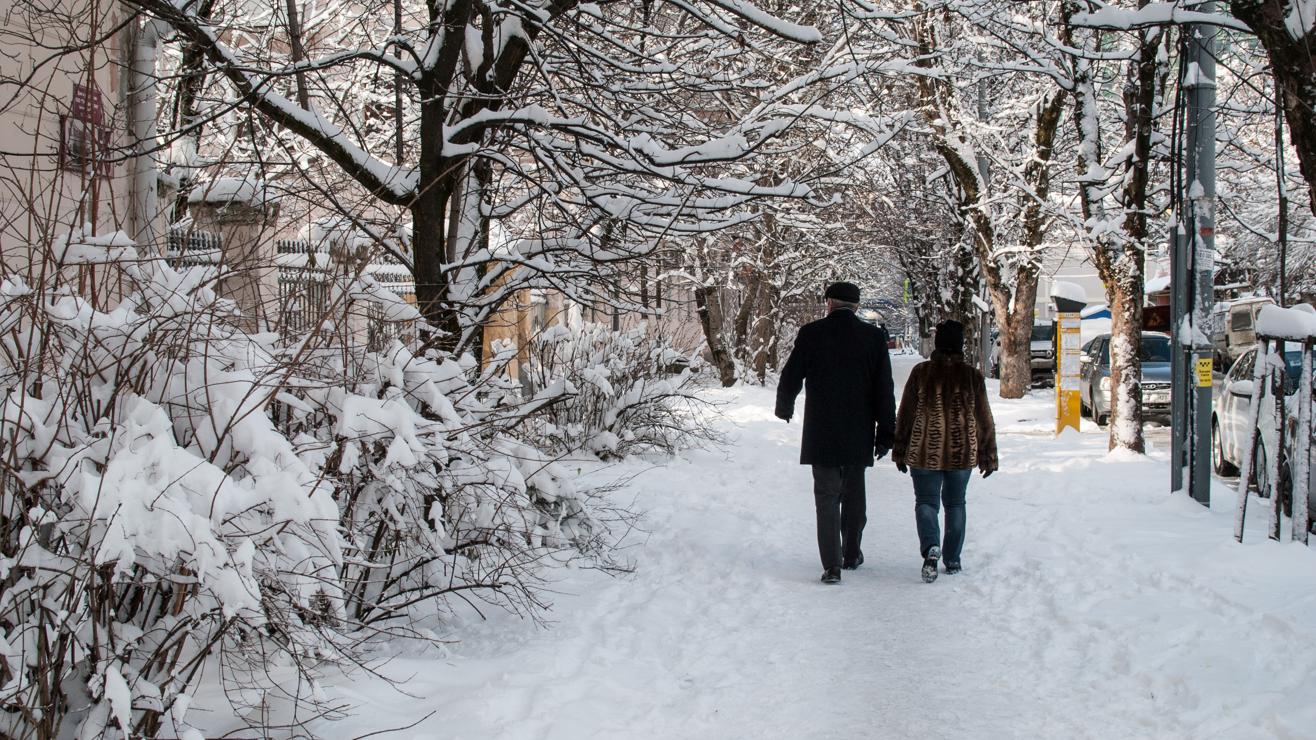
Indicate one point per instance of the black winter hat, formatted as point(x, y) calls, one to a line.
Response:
point(847, 292)
point(950, 337)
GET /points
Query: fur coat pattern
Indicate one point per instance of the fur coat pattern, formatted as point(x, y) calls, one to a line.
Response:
point(945, 421)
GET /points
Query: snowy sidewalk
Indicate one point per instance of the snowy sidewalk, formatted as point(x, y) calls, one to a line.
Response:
point(1092, 605)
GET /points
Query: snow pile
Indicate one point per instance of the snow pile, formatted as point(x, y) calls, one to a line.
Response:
point(182, 498)
point(629, 391)
point(83, 247)
point(1297, 323)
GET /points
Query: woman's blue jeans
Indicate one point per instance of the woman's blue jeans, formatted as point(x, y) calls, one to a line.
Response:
point(931, 489)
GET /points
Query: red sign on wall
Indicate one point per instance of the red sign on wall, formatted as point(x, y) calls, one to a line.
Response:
point(84, 140)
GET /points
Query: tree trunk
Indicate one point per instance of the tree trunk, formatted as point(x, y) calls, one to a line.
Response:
point(429, 215)
point(1013, 305)
point(1126, 362)
point(741, 326)
point(708, 304)
point(1016, 325)
point(1121, 264)
point(765, 328)
point(1295, 72)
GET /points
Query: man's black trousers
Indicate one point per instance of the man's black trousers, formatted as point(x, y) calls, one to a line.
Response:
point(839, 495)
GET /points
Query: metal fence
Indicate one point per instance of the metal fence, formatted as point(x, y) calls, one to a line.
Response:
point(188, 248)
point(304, 293)
point(303, 289)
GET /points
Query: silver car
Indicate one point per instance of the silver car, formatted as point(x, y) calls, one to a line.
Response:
point(1229, 428)
point(1094, 377)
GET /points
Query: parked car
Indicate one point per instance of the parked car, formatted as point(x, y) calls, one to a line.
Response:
point(1042, 349)
point(1094, 376)
point(1234, 328)
point(1229, 428)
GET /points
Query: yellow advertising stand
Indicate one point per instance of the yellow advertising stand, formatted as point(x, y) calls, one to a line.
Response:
point(1069, 347)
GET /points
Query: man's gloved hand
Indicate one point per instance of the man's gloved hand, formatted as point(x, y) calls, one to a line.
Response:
point(986, 473)
point(783, 415)
point(880, 450)
point(902, 467)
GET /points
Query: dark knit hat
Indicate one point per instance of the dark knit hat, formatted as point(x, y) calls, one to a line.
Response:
point(847, 292)
point(950, 337)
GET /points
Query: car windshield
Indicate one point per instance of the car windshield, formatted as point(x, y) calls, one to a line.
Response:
point(1041, 333)
point(1155, 348)
point(1293, 369)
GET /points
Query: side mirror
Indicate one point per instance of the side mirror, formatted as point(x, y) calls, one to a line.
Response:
point(1242, 388)
point(1085, 359)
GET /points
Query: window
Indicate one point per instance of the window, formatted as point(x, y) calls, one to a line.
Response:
point(1244, 365)
point(84, 140)
point(1155, 349)
point(1241, 320)
point(1042, 333)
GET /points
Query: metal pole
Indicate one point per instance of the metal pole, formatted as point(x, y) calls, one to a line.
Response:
point(1202, 141)
point(1178, 284)
point(1301, 466)
point(1194, 267)
point(1282, 228)
point(397, 88)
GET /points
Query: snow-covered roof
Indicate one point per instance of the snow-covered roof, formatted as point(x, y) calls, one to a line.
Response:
point(247, 190)
point(1297, 323)
point(1095, 308)
point(1157, 284)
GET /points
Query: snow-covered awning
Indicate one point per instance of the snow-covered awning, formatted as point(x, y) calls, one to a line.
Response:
point(1157, 285)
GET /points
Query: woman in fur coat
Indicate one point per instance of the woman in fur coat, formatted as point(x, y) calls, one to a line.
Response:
point(944, 429)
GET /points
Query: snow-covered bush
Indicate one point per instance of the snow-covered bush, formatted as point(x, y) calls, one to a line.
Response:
point(436, 497)
point(179, 499)
point(630, 391)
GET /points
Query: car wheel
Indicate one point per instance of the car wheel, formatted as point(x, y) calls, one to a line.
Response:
point(1102, 419)
point(1286, 490)
point(1219, 462)
point(1260, 470)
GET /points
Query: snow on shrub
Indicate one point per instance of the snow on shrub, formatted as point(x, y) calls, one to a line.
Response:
point(179, 499)
point(631, 391)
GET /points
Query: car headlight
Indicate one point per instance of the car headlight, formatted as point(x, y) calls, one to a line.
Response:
point(1105, 383)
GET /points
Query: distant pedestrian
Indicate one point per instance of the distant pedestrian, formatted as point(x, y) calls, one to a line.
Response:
point(943, 431)
point(849, 419)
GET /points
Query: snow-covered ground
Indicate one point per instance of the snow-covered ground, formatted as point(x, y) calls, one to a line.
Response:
point(1093, 604)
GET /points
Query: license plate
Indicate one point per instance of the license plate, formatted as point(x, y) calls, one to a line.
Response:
point(1158, 397)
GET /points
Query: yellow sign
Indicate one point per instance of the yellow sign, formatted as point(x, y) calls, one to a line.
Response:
point(1068, 341)
point(1204, 373)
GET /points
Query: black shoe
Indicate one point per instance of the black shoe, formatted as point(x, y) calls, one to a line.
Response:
point(930, 564)
point(852, 563)
point(952, 569)
point(832, 575)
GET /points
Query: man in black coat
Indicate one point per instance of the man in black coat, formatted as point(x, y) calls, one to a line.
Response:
point(849, 419)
